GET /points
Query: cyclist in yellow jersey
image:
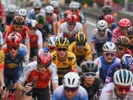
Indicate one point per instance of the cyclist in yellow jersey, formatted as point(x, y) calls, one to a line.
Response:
point(81, 48)
point(64, 60)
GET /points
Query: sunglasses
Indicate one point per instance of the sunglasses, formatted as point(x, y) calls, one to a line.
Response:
point(123, 28)
point(51, 48)
point(62, 49)
point(120, 88)
point(122, 49)
point(18, 26)
point(89, 74)
point(74, 10)
point(71, 24)
point(70, 89)
point(49, 14)
point(12, 48)
point(108, 53)
point(37, 8)
point(32, 28)
point(80, 44)
point(130, 37)
point(43, 66)
point(101, 30)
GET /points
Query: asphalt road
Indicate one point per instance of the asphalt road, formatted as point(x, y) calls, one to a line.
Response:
point(90, 24)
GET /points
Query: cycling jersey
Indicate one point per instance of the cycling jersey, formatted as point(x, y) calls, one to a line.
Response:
point(84, 55)
point(60, 14)
point(52, 20)
point(64, 66)
point(2, 13)
point(108, 93)
point(59, 94)
point(1, 38)
point(95, 88)
point(2, 57)
point(27, 20)
point(126, 52)
point(63, 31)
point(32, 14)
point(25, 33)
point(103, 66)
point(31, 71)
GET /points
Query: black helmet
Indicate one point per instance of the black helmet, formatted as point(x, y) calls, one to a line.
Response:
point(107, 9)
point(89, 66)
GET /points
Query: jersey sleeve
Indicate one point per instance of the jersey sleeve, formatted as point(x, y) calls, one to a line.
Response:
point(39, 41)
point(99, 63)
point(54, 73)
point(25, 57)
point(60, 30)
point(54, 19)
point(2, 57)
point(74, 63)
point(88, 52)
point(1, 38)
point(93, 36)
point(6, 32)
point(27, 34)
point(109, 35)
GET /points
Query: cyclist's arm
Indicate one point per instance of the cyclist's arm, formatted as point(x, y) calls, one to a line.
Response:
point(98, 62)
point(55, 24)
point(27, 40)
point(88, 53)
point(25, 57)
point(60, 32)
point(109, 35)
point(39, 41)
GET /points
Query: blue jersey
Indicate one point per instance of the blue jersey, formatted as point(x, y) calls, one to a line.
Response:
point(59, 94)
point(112, 69)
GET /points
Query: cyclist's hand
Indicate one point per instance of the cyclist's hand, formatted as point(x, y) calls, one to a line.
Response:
point(27, 88)
point(93, 52)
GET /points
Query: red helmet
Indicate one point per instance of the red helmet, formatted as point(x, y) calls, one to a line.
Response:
point(109, 19)
point(124, 22)
point(44, 57)
point(13, 40)
point(67, 12)
point(18, 34)
point(72, 18)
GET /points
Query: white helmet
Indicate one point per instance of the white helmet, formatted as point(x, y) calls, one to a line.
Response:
point(55, 4)
point(51, 41)
point(12, 8)
point(74, 4)
point(102, 25)
point(109, 47)
point(32, 23)
point(123, 77)
point(22, 12)
point(49, 9)
point(37, 4)
point(71, 80)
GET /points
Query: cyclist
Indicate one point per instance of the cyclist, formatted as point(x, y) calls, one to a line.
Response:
point(122, 44)
point(35, 38)
point(124, 23)
point(64, 59)
point(106, 10)
point(37, 9)
point(89, 81)
point(57, 10)
point(70, 28)
point(130, 37)
point(51, 43)
point(45, 70)
point(18, 26)
point(125, 63)
point(2, 13)
point(71, 89)
point(23, 12)
point(108, 58)
point(44, 27)
point(81, 48)
point(111, 22)
point(121, 89)
point(51, 17)
point(14, 59)
point(10, 12)
point(100, 35)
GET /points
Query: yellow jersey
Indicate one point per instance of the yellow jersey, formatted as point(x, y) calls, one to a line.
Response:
point(2, 57)
point(65, 66)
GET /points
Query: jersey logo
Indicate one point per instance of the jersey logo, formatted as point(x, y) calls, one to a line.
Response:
point(70, 58)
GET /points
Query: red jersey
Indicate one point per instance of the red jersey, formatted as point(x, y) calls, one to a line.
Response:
point(2, 13)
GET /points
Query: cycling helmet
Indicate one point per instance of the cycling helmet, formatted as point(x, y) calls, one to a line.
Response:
point(44, 57)
point(12, 8)
point(40, 18)
point(102, 25)
point(18, 20)
point(81, 38)
point(13, 40)
point(109, 47)
point(130, 31)
point(72, 18)
point(22, 12)
point(67, 12)
point(71, 80)
point(89, 66)
point(16, 33)
point(124, 22)
point(123, 41)
point(32, 23)
point(109, 19)
point(55, 4)
point(127, 61)
point(107, 9)
point(1, 19)
point(51, 41)
point(62, 41)
point(74, 5)
point(123, 77)
point(49, 9)
point(37, 4)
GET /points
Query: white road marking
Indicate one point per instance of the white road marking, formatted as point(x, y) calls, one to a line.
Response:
point(88, 22)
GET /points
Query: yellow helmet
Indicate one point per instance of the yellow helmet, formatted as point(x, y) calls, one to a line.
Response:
point(62, 41)
point(123, 41)
point(81, 37)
